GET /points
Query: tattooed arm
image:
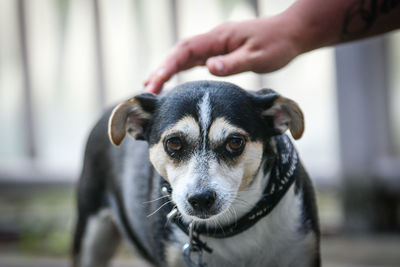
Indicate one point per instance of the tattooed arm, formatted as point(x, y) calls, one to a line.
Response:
point(267, 44)
point(337, 21)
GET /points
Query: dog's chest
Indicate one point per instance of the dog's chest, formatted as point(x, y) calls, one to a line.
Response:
point(273, 241)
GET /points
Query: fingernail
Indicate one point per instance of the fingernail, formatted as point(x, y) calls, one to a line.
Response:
point(149, 88)
point(219, 66)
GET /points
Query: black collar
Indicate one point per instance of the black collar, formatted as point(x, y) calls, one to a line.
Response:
point(281, 178)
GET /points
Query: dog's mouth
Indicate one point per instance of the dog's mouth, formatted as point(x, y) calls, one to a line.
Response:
point(202, 215)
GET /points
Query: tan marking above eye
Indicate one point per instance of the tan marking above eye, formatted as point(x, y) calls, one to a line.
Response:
point(221, 129)
point(186, 126)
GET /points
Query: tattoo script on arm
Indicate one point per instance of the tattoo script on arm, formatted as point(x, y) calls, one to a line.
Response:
point(362, 14)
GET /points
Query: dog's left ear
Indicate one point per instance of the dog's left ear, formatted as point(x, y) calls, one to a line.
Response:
point(131, 117)
point(282, 113)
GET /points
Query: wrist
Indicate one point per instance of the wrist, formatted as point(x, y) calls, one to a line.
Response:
point(293, 31)
point(312, 25)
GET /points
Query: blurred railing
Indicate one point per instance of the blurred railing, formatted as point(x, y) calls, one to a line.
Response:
point(55, 82)
point(46, 119)
point(25, 167)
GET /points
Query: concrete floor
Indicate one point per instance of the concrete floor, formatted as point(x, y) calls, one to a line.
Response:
point(382, 251)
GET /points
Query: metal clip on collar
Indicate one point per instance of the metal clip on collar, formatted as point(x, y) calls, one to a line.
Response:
point(194, 246)
point(191, 248)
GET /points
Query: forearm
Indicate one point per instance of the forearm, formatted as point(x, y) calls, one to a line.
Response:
point(329, 22)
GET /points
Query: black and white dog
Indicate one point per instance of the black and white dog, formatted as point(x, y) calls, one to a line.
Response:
point(215, 183)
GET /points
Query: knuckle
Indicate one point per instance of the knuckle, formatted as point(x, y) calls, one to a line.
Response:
point(224, 30)
point(254, 45)
point(183, 44)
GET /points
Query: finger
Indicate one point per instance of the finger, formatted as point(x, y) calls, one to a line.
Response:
point(158, 73)
point(156, 81)
point(186, 54)
point(235, 62)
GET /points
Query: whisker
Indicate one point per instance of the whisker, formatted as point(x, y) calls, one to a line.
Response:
point(242, 201)
point(156, 199)
point(154, 212)
point(235, 214)
point(220, 226)
point(169, 219)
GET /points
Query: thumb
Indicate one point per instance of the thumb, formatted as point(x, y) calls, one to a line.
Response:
point(232, 63)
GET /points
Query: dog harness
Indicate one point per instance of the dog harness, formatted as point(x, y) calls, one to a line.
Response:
point(281, 178)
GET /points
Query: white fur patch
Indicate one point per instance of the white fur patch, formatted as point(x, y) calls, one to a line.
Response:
point(204, 108)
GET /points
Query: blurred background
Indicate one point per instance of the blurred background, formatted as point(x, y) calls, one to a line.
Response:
point(62, 62)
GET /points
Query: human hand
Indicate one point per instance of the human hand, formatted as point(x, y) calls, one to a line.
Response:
point(258, 45)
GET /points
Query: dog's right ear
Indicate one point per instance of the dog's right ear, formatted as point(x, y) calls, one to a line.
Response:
point(131, 117)
point(281, 113)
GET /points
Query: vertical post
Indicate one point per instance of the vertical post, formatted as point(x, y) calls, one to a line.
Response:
point(98, 46)
point(256, 8)
point(28, 110)
point(175, 26)
point(364, 129)
point(175, 20)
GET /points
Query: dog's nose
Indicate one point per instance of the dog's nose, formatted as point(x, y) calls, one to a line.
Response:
point(202, 201)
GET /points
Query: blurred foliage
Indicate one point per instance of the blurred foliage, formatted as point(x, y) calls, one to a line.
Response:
point(41, 220)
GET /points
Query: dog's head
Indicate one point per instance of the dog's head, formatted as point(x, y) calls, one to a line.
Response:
point(207, 139)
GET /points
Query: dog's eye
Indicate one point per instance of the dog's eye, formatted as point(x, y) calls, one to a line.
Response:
point(174, 144)
point(235, 143)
